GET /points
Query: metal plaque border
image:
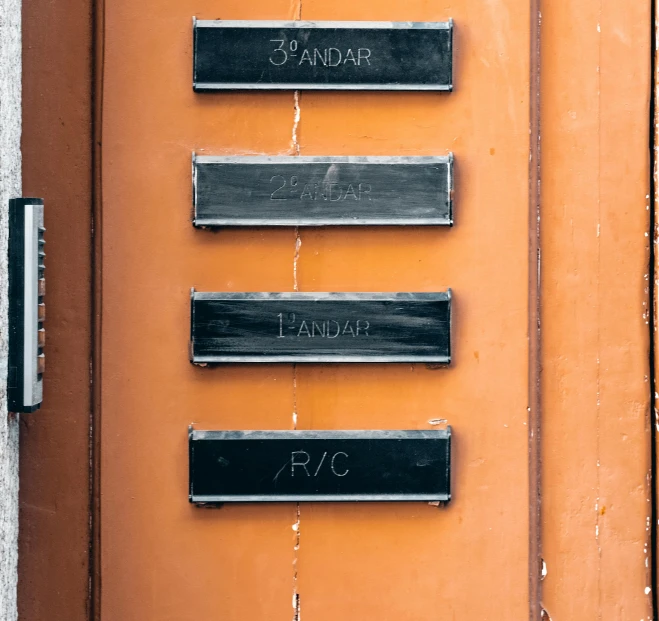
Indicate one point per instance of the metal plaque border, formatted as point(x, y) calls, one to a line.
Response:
point(202, 87)
point(440, 296)
point(195, 435)
point(283, 160)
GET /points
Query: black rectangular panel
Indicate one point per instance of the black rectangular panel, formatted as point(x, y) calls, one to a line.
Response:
point(270, 466)
point(321, 327)
point(322, 191)
point(231, 55)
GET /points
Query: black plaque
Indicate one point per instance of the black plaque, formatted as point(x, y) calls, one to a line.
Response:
point(231, 55)
point(270, 466)
point(321, 327)
point(322, 191)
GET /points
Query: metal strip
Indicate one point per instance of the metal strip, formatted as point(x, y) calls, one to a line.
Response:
point(30, 305)
point(211, 23)
point(324, 498)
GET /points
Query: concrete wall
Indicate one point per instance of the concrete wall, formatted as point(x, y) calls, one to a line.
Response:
point(10, 185)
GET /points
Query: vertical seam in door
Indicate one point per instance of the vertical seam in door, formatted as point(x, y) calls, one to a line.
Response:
point(652, 319)
point(598, 307)
point(295, 148)
point(534, 407)
point(98, 65)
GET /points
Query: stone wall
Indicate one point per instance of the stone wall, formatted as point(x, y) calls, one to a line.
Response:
point(10, 186)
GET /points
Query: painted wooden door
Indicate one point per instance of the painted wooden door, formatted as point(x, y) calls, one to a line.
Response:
point(549, 128)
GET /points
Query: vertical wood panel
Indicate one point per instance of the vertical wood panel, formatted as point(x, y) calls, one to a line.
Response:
point(595, 324)
point(468, 560)
point(160, 556)
point(54, 454)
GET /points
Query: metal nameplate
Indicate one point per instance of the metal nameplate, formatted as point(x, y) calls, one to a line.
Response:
point(272, 466)
point(321, 327)
point(249, 55)
point(322, 191)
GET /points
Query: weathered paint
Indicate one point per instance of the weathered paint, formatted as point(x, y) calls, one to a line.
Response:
point(246, 561)
point(594, 258)
point(595, 323)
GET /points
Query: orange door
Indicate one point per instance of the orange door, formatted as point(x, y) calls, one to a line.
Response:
point(165, 559)
point(480, 556)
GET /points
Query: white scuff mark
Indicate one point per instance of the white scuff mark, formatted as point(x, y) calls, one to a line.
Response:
point(437, 421)
point(332, 175)
point(648, 590)
point(543, 573)
point(294, 395)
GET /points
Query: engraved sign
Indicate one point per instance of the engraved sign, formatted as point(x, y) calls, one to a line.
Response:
point(322, 191)
point(270, 466)
point(299, 55)
point(321, 327)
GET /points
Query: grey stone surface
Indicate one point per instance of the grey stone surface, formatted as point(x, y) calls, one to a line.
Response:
point(10, 185)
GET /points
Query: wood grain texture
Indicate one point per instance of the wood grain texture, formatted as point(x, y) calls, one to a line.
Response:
point(321, 191)
point(321, 327)
point(257, 55)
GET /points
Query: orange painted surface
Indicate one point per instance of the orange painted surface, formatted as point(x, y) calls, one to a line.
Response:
point(596, 391)
point(162, 558)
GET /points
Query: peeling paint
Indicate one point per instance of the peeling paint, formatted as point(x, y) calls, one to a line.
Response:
point(296, 258)
point(295, 148)
point(295, 144)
